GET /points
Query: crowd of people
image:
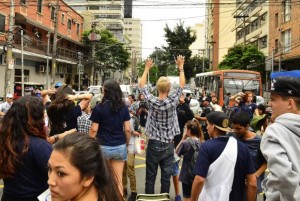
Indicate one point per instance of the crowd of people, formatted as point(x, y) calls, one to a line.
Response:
point(81, 150)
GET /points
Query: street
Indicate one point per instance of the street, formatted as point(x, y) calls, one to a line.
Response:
point(140, 168)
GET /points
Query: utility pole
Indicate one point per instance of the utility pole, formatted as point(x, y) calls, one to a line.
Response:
point(47, 67)
point(203, 50)
point(80, 68)
point(9, 58)
point(244, 25)
point(54, 48)
point(209, 52)
point(93, 37)
point(22, 61)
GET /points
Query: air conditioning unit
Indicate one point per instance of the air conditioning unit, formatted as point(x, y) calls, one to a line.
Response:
point(42, 68)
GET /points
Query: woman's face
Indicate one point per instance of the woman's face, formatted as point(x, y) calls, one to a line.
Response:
point(250, 97)
point(65, 182)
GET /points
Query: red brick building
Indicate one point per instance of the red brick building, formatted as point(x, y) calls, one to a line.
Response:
point(284, 38)
point(37, 19)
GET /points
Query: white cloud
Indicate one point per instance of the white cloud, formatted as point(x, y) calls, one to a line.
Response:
point(156, 14)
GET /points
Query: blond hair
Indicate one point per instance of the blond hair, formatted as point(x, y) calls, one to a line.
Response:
point(163, 85)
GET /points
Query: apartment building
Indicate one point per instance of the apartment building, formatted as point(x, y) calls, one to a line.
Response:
point(110, 13)
point(38, 23)
point(252, 24)
point(219, 34)
point(284, 34)
point(133, 30)
point(198, 47)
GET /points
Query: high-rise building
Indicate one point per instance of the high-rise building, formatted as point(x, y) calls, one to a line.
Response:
point(198, 47)
point(110, 13)
point(133, 30)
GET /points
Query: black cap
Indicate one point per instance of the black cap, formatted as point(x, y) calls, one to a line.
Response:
point(286, 83)
point(219, 120)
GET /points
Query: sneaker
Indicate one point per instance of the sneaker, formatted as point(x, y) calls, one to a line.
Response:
point(132, 196)
point(177, 198)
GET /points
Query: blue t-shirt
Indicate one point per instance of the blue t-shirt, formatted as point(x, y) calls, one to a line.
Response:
point(31, 176)
point(248, 108)
point(71, 119)
point(185, 148)
point(212, 149)
point(111, 131)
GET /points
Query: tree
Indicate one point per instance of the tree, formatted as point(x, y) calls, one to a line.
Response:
point(110, 53)
point(244, 57)
point(197, 64)
point(179, 40)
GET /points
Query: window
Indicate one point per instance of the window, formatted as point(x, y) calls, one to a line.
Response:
point(62, 18)
point(23, 1)
point(263, 19)
point(77, 28)
point(18, 75)
point(276, 20)
point(286, 41)
point(276, 46)
point(69, 24)
point(2, 23)
point(52, 13)
point(39, 6)
point(263, 42)
point(287, 10)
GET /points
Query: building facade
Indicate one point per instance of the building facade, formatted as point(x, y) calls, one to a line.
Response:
point(38, 22)
point(133, 30)
point(198, 47)
point(284, 34)
point(109, 13)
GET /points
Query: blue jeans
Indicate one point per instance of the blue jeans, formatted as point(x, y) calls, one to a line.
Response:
point(162, 154)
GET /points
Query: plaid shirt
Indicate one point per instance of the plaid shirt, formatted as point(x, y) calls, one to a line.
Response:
point(162, 122)
point(84, 123)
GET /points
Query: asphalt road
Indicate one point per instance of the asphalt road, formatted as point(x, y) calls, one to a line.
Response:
point(140, 168)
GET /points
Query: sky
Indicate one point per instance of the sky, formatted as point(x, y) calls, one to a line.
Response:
point(155, 14)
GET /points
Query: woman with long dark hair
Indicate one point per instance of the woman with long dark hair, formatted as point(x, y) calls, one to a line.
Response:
point(111, 127)
point(63, 111)
point(78, 171)
point(24, 150)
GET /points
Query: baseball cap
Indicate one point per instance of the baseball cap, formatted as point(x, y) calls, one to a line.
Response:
point(286, 83)
point(219, 120)
point(9, 96)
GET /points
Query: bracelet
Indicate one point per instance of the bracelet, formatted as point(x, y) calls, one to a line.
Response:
point(56, 138)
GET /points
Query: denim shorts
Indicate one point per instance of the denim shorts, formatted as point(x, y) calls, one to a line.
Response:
point(118, 153)
point(175, 171)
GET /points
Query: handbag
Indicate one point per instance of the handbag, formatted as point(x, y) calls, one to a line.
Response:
point(139, 145)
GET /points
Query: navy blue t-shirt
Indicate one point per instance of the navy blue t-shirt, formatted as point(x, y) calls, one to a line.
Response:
point(111, 131)
point(30, 179)
point(71, 119)
point(248, 108)
point(212, 149)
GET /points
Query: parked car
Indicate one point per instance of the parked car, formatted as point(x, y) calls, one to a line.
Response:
point(95, 89)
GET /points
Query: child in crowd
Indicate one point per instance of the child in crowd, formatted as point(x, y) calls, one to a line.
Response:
point(191, 142)
point(135, 130)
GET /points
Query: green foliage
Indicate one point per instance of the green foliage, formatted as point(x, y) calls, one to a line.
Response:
point(109, 53)
point(197, 64)
point(179, 40)
point(244, 57)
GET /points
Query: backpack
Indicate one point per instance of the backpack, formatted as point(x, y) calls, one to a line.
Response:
point(195, 154)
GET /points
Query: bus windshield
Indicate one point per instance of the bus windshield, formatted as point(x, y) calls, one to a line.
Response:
point(234, 86)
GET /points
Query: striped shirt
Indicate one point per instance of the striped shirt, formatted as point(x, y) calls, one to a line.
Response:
point(162, 122)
